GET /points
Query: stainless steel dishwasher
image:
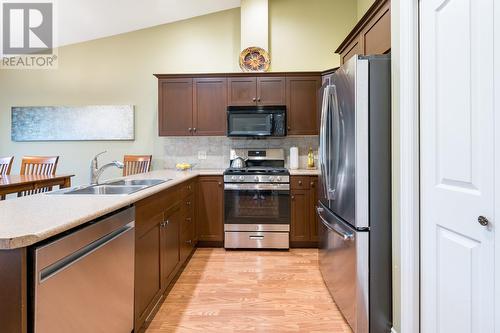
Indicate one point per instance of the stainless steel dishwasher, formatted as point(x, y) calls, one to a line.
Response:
point(84, 281)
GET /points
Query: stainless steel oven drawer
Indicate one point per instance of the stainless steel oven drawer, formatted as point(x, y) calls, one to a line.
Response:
point(256, 240)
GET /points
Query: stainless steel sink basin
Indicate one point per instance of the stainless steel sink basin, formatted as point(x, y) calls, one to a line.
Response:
point(118, 187)
point(133, 182)
point(106, 190)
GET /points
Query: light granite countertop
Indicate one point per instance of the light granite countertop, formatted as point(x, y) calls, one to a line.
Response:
point(28, 220)
point(304, 172)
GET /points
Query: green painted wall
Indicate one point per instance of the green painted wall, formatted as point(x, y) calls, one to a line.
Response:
point(362, 7)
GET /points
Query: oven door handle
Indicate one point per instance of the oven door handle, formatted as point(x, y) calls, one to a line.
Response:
point(257, 187)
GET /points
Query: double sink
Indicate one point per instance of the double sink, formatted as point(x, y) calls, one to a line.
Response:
point(118, 187)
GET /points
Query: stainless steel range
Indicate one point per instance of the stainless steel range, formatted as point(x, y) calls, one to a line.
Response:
point(257, 200)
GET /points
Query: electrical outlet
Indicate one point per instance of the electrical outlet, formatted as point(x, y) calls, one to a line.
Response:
point(202, 155)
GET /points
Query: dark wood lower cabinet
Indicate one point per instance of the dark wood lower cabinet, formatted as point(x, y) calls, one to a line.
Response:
point(166, 236)
point(299, 228)
point(210, 209)
point(187, 231)
point(304, 222)
point(14, 302)
point(169, 249)
point(157, 251)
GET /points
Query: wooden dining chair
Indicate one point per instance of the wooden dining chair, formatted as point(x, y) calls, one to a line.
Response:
point(5, 166)
point(39, 166)
point(134, 164)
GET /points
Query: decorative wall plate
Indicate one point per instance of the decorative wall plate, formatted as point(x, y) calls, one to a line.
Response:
point(254, 59)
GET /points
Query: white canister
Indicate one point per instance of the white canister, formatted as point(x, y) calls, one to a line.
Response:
point(294, 158)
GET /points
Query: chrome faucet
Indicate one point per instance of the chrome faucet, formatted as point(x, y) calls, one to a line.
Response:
point(96, 172)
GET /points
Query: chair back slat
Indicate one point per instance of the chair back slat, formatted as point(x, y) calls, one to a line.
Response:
point(134, 164)
point(6, 165)
point(38, 165)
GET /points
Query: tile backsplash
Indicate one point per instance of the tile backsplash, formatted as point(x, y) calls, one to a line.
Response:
point(216, 149)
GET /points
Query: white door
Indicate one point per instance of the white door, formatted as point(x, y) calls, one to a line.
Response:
point(457, 165)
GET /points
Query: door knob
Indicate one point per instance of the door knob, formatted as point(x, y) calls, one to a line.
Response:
point(483, 221)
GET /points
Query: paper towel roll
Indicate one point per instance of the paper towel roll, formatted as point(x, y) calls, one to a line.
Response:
point(294, 158)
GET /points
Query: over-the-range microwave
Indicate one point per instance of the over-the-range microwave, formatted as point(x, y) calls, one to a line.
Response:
point(256, 121)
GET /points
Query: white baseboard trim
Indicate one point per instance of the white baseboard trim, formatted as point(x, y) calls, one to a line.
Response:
point(393, 330)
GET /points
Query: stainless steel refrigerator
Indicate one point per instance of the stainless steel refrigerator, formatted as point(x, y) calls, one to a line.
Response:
point(354, 206)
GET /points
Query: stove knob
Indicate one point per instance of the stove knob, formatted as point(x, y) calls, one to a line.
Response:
point(233, 177)
point(278, 179)
point(271, 178)
point(242, 178)
point(256, 178)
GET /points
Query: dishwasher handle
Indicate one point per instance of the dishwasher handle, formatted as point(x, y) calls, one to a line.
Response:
point(76, 256)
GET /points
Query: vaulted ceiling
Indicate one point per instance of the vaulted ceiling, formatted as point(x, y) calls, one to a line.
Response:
point(83, 20)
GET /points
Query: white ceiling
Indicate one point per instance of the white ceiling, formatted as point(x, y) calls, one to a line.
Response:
point(82, 20)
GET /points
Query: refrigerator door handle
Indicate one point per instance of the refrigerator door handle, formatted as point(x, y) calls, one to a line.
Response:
point(345, 235)
point(322, 140)
point(331, 191)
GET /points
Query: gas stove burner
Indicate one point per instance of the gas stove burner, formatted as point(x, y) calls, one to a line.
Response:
point(257, 170)
point(262, 166)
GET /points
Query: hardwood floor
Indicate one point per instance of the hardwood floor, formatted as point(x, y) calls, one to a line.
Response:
point(250, 291)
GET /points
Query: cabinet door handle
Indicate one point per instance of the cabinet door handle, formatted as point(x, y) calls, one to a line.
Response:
point(300, 182)
point(188, 219)
point(288, 128)
point(194, 129)
point(189, 241)
point(293, 197)
point(312, 184)
point(190, 129)
point(258, 99)
point(220, 183)
point(254, 99)
point(188, 203)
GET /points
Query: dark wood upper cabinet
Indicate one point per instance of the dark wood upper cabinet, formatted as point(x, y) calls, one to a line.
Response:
point(271, 90)
point(209, 209)
point(302, 104)
point(242, 91)
point(196, 104)
point(175, 105)
point(371, 35)
point(210, 102)
point(354, 48)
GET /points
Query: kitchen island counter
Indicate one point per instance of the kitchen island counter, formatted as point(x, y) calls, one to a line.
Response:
point(28, 220)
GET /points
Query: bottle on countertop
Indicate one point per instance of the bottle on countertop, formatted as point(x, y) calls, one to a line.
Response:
point(310, 158)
